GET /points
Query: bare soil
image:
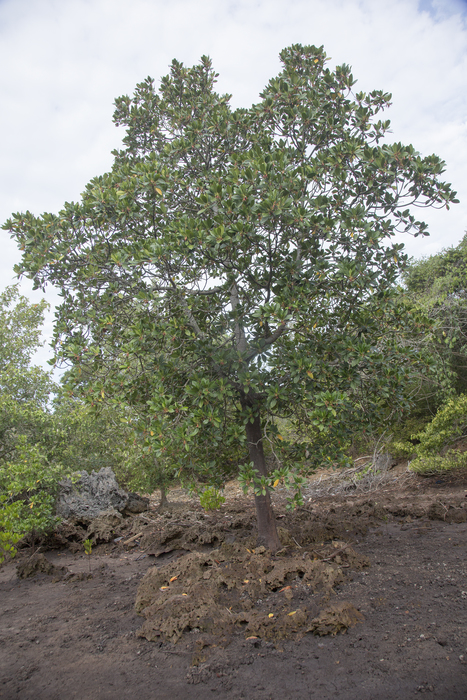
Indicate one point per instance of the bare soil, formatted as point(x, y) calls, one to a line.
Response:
point(367, 600)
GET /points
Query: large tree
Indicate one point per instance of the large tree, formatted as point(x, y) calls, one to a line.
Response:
point(239, 263)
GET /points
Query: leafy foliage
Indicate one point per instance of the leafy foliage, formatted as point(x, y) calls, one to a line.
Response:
point(437, 451)
point(26, 491)
point(234, 266)
point(211, 499)
point(437, 289)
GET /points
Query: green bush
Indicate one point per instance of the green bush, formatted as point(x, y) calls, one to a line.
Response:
point(211, 498)
point(430, 465)
point(437, 451)
point(401, 443)
point(28, 486)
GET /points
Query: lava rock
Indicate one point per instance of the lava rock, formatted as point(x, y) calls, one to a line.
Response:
point(91, 495)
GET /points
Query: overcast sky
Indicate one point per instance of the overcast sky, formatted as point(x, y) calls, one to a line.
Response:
point(65, 61)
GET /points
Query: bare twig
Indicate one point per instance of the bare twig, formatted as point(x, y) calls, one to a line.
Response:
point(132, 539)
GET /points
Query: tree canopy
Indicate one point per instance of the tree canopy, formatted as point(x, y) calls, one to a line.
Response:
point(437, 287)
point(236, 267)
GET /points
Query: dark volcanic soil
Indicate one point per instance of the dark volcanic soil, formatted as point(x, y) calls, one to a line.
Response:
point(70, 635)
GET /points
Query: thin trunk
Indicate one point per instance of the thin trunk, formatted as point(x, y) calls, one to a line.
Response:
point(164, 502)
point(267, 530)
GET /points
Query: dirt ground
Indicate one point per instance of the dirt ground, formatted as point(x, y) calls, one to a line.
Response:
point(367, 600)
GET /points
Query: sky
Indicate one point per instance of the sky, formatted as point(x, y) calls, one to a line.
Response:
point(65, 62)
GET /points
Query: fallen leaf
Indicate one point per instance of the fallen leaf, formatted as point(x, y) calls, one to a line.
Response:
point(292, 613)
point(271, 615)
point(163, 588)
point(174, 578)
point(286, 588)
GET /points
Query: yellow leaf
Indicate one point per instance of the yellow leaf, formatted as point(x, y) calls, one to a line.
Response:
point(174, 578)
point(31, 505)
point(158, 191)
point(310, 374)
point(248, 550)
point(163, 588)
point(292, 613)
point(316, 60)
point(247, 580)
point(102, 393)
point(276, 482)
point(252, 637)
point(280, 436)
point(152, 432)
point(185, 594)
point(271, 615)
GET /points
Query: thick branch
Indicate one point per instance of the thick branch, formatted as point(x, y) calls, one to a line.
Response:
point(267, 341)
point(240, 337)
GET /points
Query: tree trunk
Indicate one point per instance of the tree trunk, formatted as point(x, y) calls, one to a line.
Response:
point(164, 502)
point(267, 530)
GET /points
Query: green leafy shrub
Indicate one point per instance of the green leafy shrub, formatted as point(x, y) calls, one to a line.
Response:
point(430, 465)
point(28, 486)
point(404, 436)
point(437, 451)
point(211, 498)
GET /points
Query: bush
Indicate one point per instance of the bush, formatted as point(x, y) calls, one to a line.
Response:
point(437, 451)
point(28, 485)
point(211, 498)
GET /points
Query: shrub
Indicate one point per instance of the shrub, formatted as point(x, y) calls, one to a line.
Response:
point(211, 498)
point(28, 485)
point(437, 451)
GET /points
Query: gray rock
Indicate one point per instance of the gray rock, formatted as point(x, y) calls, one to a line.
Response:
point(91, 495)
point(136, 503)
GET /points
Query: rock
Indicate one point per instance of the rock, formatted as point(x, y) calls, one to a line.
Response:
point(94, 494)
point(136, 503)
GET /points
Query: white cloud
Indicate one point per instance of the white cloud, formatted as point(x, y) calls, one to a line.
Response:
point(65, 62)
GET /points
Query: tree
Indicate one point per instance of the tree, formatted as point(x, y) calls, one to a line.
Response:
point(25, 499)
point(437, 287)
point(44, 435)
point(240, 262)
point(24, 388)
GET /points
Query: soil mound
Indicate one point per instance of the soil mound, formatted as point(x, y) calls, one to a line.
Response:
point(39, 564)
point(272, 597)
